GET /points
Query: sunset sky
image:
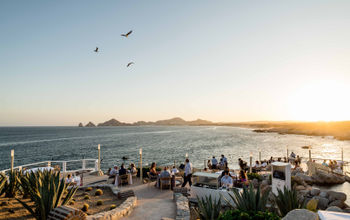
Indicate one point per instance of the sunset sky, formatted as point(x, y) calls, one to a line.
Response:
point(215, 60)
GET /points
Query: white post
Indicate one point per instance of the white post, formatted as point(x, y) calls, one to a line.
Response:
point(99, 157)
point(83, 165)
point(310, 162)
point(186, 155)
point(260, 156)
point(342, 159)
point(141, 174)
point(64, 166)
point(12, 159)
point(287, 154)
point(251, 160)
point(48, 163)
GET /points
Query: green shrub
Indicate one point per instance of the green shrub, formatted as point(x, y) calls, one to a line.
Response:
point(98, 192)
point(208, 209)
point(12, 185)
point(249, 200)
point(87, 189)
point(85, 207)
point(252, 176)
point(45, 189)
point(3, 180)
point(86, 197)
point(99, 202)
point(237, 214)
point(287, 200)
point(112, 207)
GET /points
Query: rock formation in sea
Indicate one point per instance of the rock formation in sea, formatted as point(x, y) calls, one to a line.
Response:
point(90, 124)
point(80, 125)
point(112, 122)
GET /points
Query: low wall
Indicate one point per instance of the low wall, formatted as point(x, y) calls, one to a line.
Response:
point(182, 207)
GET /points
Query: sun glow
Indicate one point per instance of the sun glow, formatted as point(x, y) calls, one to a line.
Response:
point(320, 101)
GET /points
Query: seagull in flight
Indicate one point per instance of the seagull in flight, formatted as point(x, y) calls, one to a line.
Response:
point(127, 34)
point(129, 64)
point(96, 50)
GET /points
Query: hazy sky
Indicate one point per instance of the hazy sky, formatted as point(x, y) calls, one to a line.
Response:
point(216, 60)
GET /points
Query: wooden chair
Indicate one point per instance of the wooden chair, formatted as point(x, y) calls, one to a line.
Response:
point(124, 179)
point(151, 178)
point(165, 182)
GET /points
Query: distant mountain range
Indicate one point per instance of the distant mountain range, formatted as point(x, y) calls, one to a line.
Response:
point(168, 122)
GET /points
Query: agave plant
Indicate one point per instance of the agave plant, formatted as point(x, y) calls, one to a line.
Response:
point(3, 180)
point(249, 200)
point(287, 200)
point(208, 208)
point(11, 183)
point(46, 190)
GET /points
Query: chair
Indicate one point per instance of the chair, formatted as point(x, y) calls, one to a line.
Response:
point(124, 179)
point(165, 182)
point(151, 178)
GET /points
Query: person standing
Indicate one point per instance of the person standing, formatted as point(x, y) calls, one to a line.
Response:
point(188, 173)
point(214, 163)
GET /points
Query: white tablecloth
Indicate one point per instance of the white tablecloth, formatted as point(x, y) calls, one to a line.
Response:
point(36, 169)
point(117, 179)
point(326, 215)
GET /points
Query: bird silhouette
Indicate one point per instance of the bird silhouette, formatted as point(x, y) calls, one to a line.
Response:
point(96, 50)
point(129, 64)
point(127, 34)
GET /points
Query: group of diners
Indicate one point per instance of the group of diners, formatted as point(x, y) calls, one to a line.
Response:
point(213, 164)
point(117, 173)
point(229, 179)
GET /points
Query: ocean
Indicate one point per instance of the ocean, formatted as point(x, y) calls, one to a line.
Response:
point(160, 144)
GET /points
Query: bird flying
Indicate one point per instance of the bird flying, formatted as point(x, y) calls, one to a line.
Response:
point(129, 64)
point(127, 34)
point(96, 50)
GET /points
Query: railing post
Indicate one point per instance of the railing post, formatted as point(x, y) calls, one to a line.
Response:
point(64, 166)
point(48, 163)
point(96, 165)
point(20, 168)
point(12, 159)
point(83, 166)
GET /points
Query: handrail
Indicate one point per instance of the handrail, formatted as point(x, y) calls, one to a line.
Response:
point(63, 162)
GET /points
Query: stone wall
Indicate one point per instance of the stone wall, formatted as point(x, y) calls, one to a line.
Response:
point(182, 207)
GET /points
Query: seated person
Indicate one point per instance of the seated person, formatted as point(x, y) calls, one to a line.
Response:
point(264, 164)
point(113, 172)
point(174, 170)
point(226, 180)
point(292, 155)
point(133, 169)
point(209, 164)
point(165, 173)
point(325, 163)
point(122, 170)
point(153, 171)
point(243, 177)
point(69, 179)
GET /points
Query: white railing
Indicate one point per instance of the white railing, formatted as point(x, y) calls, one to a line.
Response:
point(68, 166)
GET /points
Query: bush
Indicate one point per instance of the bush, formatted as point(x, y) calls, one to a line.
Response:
point(237, 214)
point(252, 176)
point(208, 209)
point(99, 202)
point(12, 186)
point(112, 207)
point(98, 192)
point(249, 200)
point(85, 207)
point(88, 189)
point(287, 200)
point(45, 189)
point(86, 197)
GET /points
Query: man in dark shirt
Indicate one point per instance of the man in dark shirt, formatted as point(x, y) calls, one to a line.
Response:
point(122, 170)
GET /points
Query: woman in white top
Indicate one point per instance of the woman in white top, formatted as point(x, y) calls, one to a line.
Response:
point(226, 180)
